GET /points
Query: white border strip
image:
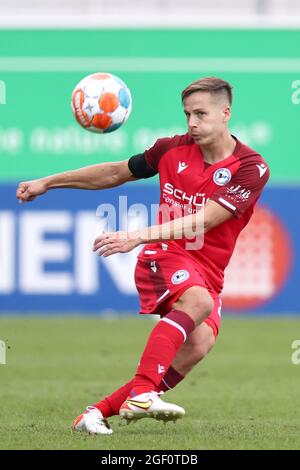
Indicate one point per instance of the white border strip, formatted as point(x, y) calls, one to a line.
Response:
point(149, 19)
point(173, 323)
point(163, 295)
point(226, 203)
point(150, 64)
point(163, 380)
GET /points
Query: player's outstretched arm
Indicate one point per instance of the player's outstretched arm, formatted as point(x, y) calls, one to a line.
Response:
point(213, 214)
point(189, 226)
point(101, 176)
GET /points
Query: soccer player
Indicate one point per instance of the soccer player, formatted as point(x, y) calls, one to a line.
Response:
point(210, 182)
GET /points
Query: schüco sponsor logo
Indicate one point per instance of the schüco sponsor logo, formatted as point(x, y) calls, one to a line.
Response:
point(198, 199)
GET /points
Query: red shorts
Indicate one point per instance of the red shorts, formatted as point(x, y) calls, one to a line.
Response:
point(161, 277)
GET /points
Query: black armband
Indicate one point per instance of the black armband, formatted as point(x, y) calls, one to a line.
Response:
point(139, 167)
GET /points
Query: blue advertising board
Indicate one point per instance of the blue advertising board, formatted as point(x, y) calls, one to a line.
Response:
point(47, 263)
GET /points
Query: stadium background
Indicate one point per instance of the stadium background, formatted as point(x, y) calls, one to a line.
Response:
point(46, 265)
point(38, 136)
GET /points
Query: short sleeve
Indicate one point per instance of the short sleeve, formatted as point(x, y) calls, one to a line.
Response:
point(244, 188)
point(154, 153)
point(161, 146)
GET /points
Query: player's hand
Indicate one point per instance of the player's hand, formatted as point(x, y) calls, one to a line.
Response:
point(29, 190)
point(110, 243)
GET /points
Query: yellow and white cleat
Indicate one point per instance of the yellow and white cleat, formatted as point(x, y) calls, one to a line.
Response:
point(150, 405)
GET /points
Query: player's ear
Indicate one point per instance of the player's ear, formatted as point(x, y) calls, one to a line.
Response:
point(226, 113)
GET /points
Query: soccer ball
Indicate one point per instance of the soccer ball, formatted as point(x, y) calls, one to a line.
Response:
point(101, 102)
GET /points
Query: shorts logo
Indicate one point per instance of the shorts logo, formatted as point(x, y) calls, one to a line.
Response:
point(222, 176)
point(180, 276)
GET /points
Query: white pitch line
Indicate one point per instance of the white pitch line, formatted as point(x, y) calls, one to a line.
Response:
point(150, 64)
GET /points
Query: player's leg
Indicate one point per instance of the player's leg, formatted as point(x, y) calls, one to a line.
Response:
point(196, 347)
point(191, 309)
point(164, 342)
point(199, 342)
point(111, 404)
point(192, 351)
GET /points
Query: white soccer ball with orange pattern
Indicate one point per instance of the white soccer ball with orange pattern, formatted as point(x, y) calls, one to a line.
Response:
point(101, 102)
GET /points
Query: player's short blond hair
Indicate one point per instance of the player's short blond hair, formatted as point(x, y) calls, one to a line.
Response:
point(213, 85)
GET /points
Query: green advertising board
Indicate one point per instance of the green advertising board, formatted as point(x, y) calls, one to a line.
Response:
point(39, 69)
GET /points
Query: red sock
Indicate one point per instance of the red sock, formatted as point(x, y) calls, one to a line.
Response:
point(110, 405)
point(170, 380)
point(165, 340)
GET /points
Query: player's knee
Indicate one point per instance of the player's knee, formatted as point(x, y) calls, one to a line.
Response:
point(196, 302)
point(205, 306)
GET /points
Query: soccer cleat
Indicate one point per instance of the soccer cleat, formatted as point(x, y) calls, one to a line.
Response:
point(150, 405)
point(92, 422)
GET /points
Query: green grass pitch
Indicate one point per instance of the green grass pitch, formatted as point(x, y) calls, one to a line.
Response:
point(244, 395)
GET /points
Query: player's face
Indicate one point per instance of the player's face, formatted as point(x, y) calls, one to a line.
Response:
point(207, 117)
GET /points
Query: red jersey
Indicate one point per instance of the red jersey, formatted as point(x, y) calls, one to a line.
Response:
point(235, 183)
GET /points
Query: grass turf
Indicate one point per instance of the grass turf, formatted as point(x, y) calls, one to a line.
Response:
point(244, 395)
